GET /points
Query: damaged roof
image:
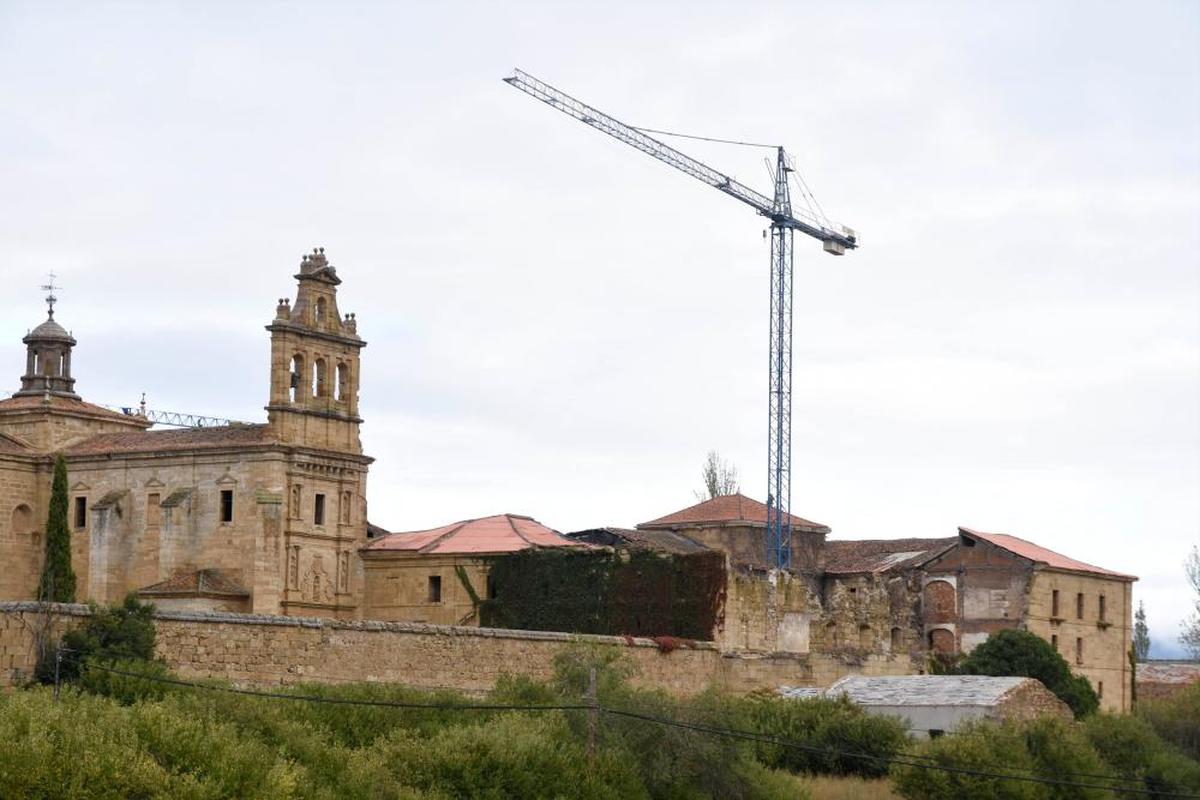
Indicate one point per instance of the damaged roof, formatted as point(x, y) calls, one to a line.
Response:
point(925, 690)
point(663, 541)
point(880, 555)
point(1041, 555)
point(732, 509)
point(502, 533)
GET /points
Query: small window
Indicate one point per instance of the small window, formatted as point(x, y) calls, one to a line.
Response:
point(319, 509)
point(1054, 641)
point(897, 640)
point(1100, 689)
point(1079, 606)
point(1079, 651)
point(80, 512)
point(1054, 603)
point(227, 505)
point(435, 588)
point(1102, 608)
point(853, 591)
point(490, 588)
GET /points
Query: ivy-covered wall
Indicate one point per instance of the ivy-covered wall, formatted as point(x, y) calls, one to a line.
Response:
point(623, 592)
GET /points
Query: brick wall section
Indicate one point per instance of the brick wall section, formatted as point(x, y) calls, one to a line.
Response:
point(261, 650)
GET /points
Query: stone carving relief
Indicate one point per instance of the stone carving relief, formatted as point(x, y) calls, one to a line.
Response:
point(316, 587)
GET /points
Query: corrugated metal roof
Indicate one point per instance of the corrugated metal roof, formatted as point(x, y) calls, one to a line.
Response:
point(1035, 552)
point(502, 533)
point(733, 508)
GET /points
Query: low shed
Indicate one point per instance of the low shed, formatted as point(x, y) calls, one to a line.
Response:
point(934, 704)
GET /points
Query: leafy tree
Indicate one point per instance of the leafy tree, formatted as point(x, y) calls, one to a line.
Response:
point(1141, 633)
point(57, 584)
point(117, 633)
point(1190, 638)
point(1021, 653)
point(720, 477)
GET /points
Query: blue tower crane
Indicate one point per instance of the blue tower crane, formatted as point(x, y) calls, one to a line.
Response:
point(785, 220)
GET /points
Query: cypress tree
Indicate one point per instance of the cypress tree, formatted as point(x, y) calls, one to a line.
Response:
point(57, 584)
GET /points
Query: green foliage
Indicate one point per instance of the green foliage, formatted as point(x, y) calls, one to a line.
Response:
point(976, 747)
point(1176, 718)
point(828, 725)
point(1131, 749)
point(1141, 633)
point(630, 592)
point(1021, 653)
point(57, 583)
point(118, 637)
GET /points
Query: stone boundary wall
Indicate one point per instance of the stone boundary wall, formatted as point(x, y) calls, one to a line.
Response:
point(261, 650)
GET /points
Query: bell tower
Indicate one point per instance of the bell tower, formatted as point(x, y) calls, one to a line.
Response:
point(314, 364)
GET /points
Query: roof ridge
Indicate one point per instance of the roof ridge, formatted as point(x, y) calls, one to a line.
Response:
point(428, 547)
point(520, 535)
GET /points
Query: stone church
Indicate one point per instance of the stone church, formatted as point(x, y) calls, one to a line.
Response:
point(264, 518)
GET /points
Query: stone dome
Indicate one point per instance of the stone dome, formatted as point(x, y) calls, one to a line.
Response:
point(49, 330)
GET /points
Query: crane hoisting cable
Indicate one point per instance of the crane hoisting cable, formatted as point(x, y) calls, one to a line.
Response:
point(784, 222)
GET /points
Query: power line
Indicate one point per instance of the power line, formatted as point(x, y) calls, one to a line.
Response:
point(905, 760)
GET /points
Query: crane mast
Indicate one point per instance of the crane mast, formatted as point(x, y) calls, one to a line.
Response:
point(785, 221)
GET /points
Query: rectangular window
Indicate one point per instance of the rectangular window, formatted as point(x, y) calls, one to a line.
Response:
point(1054, 603)
point(490, 588)
point(153, 510)
point(1079, 606)
point(1102, 608)
point(1054, 641)
point(80, 512)
point(1079, 651)
point(319, 510)
point(435, 588)
point(227, 505)
point(1100, 689)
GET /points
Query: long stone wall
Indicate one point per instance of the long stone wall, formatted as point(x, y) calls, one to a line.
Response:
point(258, 650)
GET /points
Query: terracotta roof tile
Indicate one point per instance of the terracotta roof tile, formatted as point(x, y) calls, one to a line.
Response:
point(58, 403)
point(200, 582)
point(1035, 552)
point(733, 508)
point(503, 533)
point(880, 555)
point(173, 439)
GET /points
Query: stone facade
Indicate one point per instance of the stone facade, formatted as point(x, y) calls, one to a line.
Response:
point(278, 507)
point(401, 587)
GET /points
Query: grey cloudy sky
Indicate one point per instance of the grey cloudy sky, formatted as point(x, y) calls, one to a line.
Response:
point(560, 326)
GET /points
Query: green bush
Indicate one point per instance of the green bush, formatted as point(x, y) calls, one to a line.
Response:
point(118, 633)
point(1176, 719)
point(1132, 750)
point(845, 739)
point(1021, 653)
point(977, 747)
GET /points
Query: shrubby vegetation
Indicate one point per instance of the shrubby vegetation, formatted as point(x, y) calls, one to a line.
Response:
point(1021, 653)
point(1110, 752)
point(1176, 719)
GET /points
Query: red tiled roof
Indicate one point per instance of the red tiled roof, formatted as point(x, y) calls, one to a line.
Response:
point(880, 555)
point(172, 439)
point(503, 533)
point(202, 582)
point(733, 508)
point(1040, 554)
point(58, 403)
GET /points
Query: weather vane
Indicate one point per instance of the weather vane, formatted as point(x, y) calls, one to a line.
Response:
point(49, 288)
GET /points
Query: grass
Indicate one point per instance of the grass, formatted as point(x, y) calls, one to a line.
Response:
point(824, 787)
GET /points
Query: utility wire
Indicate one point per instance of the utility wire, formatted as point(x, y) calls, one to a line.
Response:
point(728, 732)
point(704, 138)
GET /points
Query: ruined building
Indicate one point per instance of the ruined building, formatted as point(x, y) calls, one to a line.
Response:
point(265, 518)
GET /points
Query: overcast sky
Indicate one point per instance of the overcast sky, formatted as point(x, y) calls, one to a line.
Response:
point(561, 326)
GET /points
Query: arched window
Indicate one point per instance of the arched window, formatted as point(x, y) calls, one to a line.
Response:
point(296, 378)
point(865, 640)
point(941, 641)
point(319, 313)
point(341, 388)
point(939, 602)
point(22, 520)
point(320, 383)
point(897, 640)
